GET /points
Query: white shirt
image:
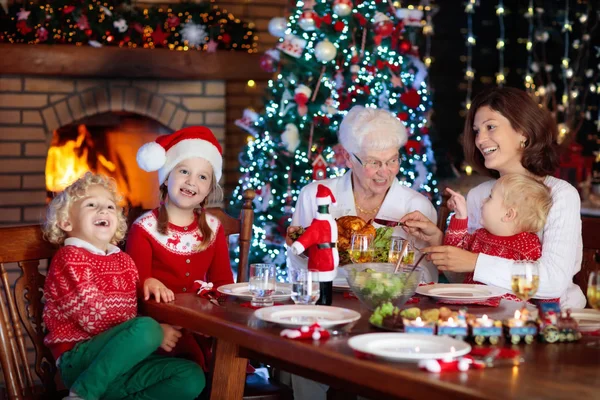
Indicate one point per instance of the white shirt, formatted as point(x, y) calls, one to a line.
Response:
point(400, 200)
point(562, 245)
point(73, 241)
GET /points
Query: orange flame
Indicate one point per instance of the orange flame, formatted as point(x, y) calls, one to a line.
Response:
point(68, 162)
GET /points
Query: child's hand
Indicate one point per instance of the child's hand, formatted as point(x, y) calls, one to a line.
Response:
point(458, 204)
point(157, 289)
point(171, 335)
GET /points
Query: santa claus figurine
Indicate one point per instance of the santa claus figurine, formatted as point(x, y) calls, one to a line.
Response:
point(320, 239)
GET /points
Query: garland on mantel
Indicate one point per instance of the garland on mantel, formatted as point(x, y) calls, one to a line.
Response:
point(183, 26)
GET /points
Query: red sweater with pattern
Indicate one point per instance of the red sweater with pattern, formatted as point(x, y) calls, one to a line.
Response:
point(174, 258)
point(87, 294)
point(522, 246)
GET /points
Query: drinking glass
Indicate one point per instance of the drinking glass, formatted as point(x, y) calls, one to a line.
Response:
point(361, 248)
point(525, 279)
point(593, 296)
point(262, 284)
point(396, 245)
point(305, 286)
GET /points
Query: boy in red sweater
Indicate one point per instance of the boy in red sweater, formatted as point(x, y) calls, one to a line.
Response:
point(102, 349)
point(516, 209)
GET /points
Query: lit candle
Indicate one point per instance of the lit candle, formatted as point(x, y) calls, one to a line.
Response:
point(418, 322)
point(485, 321)
point(450, 322)
point(517, 321)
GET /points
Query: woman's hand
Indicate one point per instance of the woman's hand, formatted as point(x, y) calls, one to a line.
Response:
point(171, 336)
point(291, 229)
point(450, 258)
point(156, 288)
point(458, 204)
point(421, 227)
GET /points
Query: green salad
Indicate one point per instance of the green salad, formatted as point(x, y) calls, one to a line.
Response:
point(377, 287)
point(381, 244)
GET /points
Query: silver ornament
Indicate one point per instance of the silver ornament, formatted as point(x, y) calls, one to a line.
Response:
point(277, 26)
point(325, 51)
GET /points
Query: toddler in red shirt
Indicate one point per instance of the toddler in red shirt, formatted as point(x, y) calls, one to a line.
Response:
point(515, 211)
point(179, 242)
point(102, 349)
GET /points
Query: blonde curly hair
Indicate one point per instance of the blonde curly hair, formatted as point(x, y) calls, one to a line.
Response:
point(59, 207)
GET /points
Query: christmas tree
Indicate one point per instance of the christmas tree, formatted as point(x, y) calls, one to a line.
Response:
point(332, 55)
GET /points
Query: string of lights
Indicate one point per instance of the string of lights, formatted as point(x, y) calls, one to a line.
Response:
point(500, 44)
point(529, 83)
point(470, 43)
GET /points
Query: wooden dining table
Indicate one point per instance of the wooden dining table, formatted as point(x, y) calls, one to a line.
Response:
point(549, 371)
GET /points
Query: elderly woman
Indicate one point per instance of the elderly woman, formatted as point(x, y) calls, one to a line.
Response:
point(506, 132)
point(371, 139)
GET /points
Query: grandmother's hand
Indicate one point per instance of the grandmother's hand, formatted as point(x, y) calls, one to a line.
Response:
point(418, 225)
point(450, 258)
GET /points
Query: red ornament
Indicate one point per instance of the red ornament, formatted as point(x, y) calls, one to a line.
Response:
point(226, 38)
point(269, 60)
point(413, 147)
point(362, 21)
point(383, 25)
point(159, 37)
point(403, 116)
point(173, 21)
point(319, 168)
point(405, 46)
point(23, 28)
point(138, 27)
point(410, 98)
point(68, 9)
point(327, 19)
point(88, 32)
point(83, 23)
point(42, 34)
point(339, 26)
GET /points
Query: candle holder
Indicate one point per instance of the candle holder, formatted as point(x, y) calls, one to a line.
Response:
point(520, 327)
point(555, 325)
point(419, 326)
point(485, 328)
point(454, 326)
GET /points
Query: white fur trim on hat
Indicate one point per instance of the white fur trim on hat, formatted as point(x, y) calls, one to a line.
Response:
point(191, 148)
point(151, 157)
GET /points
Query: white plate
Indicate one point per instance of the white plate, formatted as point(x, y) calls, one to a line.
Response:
point(588, 319)
point(300, 315)
point(340, 284)
point(283, 291)
point(460, 292)
point(408, 347)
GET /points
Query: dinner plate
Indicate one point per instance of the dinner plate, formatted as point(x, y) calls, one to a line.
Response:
point(283, 291)
point(408, 347)
point(588, 319)
point(300, 315)
point(340, 284)
point(460, 292)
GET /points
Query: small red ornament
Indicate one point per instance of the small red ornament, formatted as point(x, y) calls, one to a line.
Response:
point(173, 21)
point(327, 20)
point(68, 9)
point(319, 168)
point(88, 32)
point(269, 60)
point(382, 25)
point(83, 23)
point(403, 116)
point(405, 46)
point(23, 28)
point(362, 21)
point(339, 26)
point(410, 98)
point(42, 34)
point(413, 147)
point(226, 38)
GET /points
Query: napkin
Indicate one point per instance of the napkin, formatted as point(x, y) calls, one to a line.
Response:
point(314, 332)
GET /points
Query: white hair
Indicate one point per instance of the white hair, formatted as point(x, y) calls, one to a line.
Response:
point(370, 129)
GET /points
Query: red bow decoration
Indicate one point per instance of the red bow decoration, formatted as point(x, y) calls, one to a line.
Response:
point(314, 332)
point(410, 98)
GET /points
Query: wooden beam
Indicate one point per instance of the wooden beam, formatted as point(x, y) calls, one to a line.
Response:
point(115, 62)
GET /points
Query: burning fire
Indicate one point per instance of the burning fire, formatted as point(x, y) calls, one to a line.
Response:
point(69, 161)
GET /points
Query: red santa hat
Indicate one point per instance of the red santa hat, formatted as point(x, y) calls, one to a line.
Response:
point(324, 196)
point(167, 151)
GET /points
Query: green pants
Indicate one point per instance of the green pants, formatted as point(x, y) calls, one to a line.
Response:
point(120, 364)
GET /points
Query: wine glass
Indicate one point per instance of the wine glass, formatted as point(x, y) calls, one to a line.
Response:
point(305, 286)
point(361, 248)
point(396, 247)
point(525, 279)
point(593, 296)
point(262, 284)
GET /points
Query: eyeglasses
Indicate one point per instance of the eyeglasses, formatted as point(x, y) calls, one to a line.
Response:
point(376, 165)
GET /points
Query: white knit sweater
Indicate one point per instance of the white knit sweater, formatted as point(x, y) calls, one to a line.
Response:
point(561, 245)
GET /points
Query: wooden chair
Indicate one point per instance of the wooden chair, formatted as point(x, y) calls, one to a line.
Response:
point(241, 226)
point(21, 311)
point(590, 228)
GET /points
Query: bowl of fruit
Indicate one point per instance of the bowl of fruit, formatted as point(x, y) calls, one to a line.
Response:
point(378, 283)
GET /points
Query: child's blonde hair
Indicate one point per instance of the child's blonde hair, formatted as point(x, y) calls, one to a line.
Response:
point(59, 207)
point(215, 195)
point(530, 197)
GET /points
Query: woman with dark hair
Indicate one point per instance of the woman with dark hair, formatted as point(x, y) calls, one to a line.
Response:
point(506, 132)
